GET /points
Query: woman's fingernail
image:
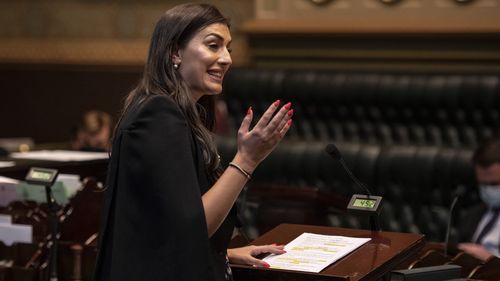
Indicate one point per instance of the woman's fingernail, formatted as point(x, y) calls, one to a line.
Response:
point(249, 110)
point(290, 112)
point(265, 264)
point(289, 123)
point(288, 105)
point(277, 103)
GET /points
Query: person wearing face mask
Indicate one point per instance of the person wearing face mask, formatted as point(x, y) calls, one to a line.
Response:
point(481, 225)
point(169, 209)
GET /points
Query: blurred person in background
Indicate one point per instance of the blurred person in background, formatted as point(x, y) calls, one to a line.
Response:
point(93, 132)
point(479, 230)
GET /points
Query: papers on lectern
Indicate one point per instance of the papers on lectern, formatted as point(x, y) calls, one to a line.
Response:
point(10, 233)
point(313, 252)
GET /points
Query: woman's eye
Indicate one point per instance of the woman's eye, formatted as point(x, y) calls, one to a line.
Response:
point(213, 46)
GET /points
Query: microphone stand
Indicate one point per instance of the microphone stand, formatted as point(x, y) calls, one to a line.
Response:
point(53, 234)
point(374, 218)
point(358, 202)
point(47, 177)
point(374, 223)
point(459, 192)
point(448, 227)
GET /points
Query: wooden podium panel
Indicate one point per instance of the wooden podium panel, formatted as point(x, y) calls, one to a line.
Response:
point(380, 255)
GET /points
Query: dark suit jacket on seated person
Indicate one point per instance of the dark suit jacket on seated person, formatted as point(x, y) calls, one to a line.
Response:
point(469, 223)
point(472, 225)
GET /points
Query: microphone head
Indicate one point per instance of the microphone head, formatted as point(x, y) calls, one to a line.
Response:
point(460, 191)
point(333, 151)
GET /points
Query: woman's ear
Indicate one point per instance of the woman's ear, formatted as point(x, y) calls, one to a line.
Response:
point(176, 58)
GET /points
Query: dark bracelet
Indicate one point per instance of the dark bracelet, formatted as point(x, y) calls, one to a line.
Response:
point(243, 172)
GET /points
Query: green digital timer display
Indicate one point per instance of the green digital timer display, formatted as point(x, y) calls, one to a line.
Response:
point(364, 203)
point(39, 175)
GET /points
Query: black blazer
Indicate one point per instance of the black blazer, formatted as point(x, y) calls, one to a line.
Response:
point(470, 222)
point(153, 225)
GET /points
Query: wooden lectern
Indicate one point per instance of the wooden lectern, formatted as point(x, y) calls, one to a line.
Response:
point(383, 253)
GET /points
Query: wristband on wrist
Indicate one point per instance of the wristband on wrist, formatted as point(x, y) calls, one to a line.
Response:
point(241, 170)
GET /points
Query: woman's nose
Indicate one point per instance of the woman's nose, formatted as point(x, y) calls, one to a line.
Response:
point(225, 57)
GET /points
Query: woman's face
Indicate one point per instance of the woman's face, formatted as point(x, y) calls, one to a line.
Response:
point(205, 60)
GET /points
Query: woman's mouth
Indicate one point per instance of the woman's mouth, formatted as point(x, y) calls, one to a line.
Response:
point(216, 75)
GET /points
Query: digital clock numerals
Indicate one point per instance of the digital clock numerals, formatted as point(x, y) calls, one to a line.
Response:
point(364, 203)
point(39, 175)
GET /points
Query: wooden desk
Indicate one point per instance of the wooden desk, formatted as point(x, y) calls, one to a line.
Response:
point(383, 253)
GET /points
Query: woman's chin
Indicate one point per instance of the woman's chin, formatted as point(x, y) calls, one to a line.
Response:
point(215, 90)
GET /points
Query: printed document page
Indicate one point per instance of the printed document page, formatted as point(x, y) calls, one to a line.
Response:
point(313, 252)
point(8, 191)
point(5, 164)
point(60, 155)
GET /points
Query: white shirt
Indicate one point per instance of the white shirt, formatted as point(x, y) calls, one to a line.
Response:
point(491, 240)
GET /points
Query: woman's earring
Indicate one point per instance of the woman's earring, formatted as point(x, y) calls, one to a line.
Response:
point(176, 66)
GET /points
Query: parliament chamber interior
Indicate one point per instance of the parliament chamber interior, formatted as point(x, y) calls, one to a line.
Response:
point(406, 90)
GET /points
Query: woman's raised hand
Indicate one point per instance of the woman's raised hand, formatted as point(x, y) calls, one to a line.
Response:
point(255, 144)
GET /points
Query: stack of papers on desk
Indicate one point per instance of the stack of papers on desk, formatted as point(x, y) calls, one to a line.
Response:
point(313, 252)
point(6, 164)
point(8, 190)
point(60, 155)
point(65, 187)
point(10, 233)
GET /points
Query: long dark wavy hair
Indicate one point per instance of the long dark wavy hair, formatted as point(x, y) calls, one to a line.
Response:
point(173, 31)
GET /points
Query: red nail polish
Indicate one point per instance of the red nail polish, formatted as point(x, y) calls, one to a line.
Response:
point(288, 105)
point(277, 103)
point(249, 110)
point(266, 265)
point(290, 113)
point(289, 123)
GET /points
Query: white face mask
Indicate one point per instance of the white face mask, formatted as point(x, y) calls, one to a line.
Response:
point(490, 194)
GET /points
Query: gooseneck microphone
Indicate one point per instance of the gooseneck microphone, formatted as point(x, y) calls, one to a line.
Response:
point(359, 204)
point(334, 152)
point(459, 192)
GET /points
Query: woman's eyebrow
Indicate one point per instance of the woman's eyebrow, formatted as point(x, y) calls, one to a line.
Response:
point(217, 35)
